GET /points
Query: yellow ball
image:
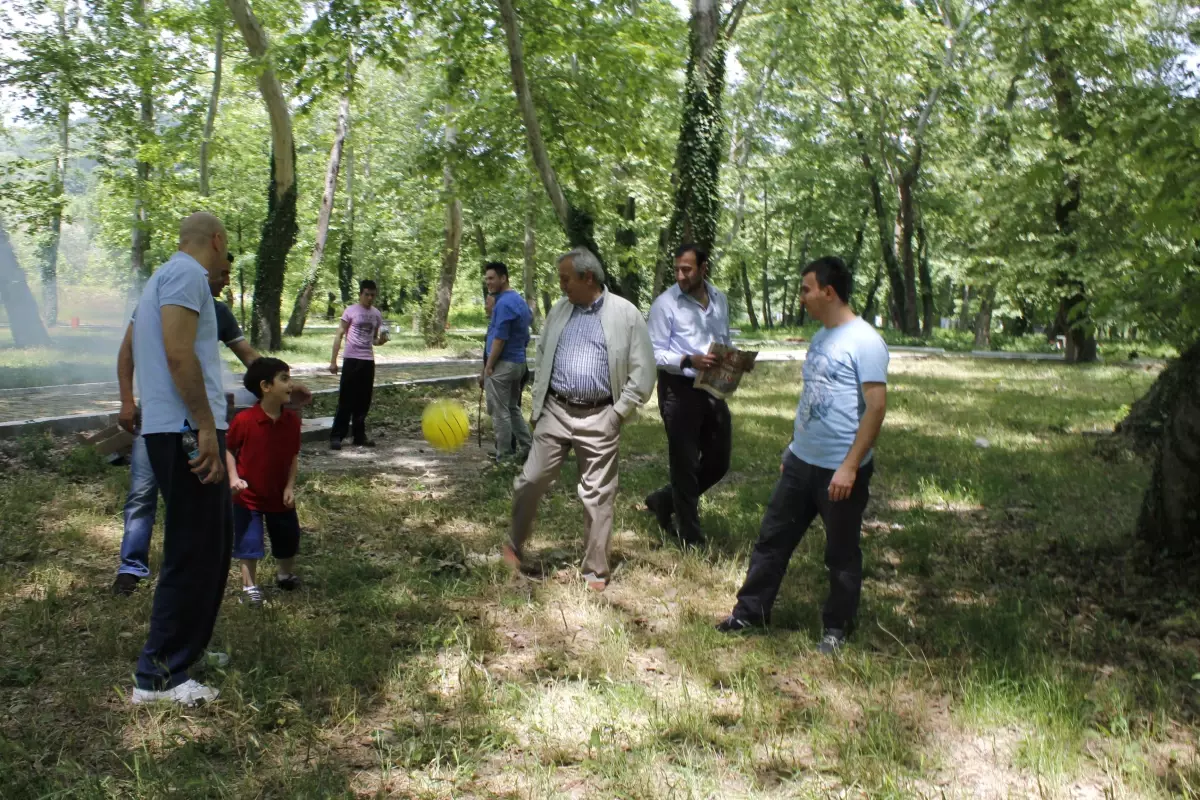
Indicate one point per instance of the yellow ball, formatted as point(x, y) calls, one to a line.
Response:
point(445, 425)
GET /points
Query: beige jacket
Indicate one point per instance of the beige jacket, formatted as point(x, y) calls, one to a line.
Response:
point(631, 365)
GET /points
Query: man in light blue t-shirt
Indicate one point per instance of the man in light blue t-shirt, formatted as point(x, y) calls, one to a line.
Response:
point(183, 425)
point(827, 468)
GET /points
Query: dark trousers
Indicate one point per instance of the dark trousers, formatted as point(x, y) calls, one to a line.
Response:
point(197, 542)
point(802, 493)
point(354, 399)
point(699, 439)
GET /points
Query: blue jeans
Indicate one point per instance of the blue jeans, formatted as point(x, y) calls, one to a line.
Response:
point(140, 509)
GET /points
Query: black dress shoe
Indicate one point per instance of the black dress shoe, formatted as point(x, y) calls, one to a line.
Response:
point(125, 584)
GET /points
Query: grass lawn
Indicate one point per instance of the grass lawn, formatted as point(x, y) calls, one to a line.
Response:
point(1012, 643)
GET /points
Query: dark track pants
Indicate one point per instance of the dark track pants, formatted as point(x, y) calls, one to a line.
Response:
point(354, 399)
point(197, 542)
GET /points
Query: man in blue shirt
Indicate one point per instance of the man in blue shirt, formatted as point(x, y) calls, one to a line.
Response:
point(504, 368)
point(684, 321)
point(827, 468)
point(183, 425)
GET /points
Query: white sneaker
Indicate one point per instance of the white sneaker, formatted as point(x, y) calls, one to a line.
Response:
point(188, 693)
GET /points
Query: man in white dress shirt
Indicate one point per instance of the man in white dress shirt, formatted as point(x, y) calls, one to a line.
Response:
point(684, 321)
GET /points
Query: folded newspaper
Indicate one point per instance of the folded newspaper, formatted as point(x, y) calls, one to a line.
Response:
point(724, 377)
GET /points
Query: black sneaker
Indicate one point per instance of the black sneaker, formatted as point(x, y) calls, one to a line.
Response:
point(732, 624)
point(125, 584)
point(661, 513)
point(832, 641)
point(335, 444)
point(288, 583)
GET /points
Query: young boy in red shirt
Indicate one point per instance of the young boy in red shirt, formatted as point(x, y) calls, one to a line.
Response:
point(262, 456)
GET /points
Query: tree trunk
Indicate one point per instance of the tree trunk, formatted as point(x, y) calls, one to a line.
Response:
point(547, 302)
point(701, 131)
point(886, 227)
point(627, 265)
point(214, 98)
point(928, 311)
point(1165, 423)
point(279, 227)
point(964, 310)
point(529, 251)
point(910, 322)
point(749, 296)
point(1074, 317)
point(662, 264)
point(768, 318)
point(23, 320)
point(295, 325)
point(140, 244)
point(983, 320)
point(871, 308)
point(435, 333)
point(481, 244)
point(577, 224)
point(856, 251)
point(58, 181)
point(345, 265)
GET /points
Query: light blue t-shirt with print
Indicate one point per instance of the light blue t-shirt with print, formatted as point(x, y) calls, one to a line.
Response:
point(179, 282)
point(839, 361)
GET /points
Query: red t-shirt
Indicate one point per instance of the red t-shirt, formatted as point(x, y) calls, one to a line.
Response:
point(263, 449)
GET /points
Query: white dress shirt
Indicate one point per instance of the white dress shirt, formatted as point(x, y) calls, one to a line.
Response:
point(680, 326)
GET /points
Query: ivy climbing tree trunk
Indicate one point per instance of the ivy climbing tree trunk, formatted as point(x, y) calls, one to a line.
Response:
point(23, 320)
point(1165, 424)
point(304, 297)
point(702, 127)
point(577, 223)
point(627, 264)
point(279, 227)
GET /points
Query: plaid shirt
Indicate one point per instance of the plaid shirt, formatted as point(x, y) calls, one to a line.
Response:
point(580, 369)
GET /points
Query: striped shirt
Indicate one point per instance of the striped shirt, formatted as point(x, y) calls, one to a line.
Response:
point(580, 369)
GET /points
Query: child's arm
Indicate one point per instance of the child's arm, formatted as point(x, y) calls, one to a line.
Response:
point(236, 484)
point(289, 491)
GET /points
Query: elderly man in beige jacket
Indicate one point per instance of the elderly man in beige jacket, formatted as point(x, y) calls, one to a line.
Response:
point(595, 367)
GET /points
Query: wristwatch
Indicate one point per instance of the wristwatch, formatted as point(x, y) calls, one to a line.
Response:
point(687, 362)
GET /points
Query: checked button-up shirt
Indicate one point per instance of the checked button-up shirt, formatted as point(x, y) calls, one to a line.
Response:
point(580, 370)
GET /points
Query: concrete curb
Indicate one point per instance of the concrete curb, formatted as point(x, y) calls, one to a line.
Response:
point(78, 423)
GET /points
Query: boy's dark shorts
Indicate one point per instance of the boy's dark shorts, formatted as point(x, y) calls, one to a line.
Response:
point(282, 526)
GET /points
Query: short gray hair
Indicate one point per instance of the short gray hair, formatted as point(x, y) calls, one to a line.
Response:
point(584, 262)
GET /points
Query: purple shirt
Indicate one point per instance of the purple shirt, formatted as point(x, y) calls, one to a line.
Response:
point(360, 338)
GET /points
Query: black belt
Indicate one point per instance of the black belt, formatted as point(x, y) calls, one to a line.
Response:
point(586, 405)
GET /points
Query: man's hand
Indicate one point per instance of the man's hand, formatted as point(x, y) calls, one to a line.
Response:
point(842, 482)
point(489, 371)
point(238, 485)
point(706, 361)
point(130, 417)
point(207, 465)
point(301, 395)
point(289, 497)
point(333, 368)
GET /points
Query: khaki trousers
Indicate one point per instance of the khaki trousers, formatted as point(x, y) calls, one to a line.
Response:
point(504, 404)
point(596, 435)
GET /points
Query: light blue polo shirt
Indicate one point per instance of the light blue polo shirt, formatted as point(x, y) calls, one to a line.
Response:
point(179, 282)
